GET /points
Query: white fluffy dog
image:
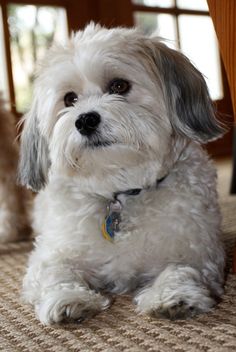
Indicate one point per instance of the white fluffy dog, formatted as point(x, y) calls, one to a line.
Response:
point(127, 199)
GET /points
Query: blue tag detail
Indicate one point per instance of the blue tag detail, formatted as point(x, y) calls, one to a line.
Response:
point(110, 226)
point(111, 222)
point(108, 229)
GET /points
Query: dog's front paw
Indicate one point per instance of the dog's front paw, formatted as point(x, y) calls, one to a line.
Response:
point(177, 293)
point(70, 301)
point(173, 305)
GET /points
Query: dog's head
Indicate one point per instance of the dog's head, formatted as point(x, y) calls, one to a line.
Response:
point(112, 100)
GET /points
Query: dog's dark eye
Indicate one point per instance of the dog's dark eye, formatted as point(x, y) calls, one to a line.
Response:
point(70, 98)
point(118, 86)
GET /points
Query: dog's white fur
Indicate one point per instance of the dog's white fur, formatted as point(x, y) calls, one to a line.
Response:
point(14, 222)
point(168, 251)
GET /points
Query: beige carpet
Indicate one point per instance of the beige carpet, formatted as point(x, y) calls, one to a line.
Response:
point(119, 328)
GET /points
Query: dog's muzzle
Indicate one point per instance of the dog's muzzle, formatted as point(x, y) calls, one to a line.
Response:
point(87, 123)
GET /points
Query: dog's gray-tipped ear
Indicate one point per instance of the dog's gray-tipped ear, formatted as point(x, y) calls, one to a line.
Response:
point(34, 157)
point(191, 110)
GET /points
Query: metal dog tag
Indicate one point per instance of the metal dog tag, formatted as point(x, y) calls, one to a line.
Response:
point(111, 222)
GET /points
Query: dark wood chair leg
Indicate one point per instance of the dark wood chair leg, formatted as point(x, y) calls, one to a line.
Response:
point(233, 180)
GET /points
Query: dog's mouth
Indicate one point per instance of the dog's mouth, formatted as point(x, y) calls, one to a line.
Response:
point(98, 143)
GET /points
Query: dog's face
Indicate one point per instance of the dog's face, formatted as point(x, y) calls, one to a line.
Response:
point(113, 100)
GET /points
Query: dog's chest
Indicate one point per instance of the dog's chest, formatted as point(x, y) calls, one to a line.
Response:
point(137, 215)
point(124, 215)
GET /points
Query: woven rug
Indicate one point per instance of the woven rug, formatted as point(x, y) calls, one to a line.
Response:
point(119, 328)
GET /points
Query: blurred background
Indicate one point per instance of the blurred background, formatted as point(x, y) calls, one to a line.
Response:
point(27, 29)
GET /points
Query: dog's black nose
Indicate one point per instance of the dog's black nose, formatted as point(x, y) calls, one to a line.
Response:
point(87, 123)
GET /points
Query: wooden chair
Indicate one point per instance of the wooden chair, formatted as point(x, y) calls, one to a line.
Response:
point(223, 14)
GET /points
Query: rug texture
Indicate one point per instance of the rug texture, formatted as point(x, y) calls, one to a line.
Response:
point(119, 328)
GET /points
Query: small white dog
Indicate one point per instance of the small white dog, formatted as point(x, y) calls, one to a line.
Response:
point(127, 199)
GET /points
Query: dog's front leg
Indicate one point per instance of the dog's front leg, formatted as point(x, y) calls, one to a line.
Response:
point(178, 292)
point(59, 292)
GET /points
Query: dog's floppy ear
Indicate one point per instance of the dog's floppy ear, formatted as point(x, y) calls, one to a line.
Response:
point(34, 158)
point(190, 107)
